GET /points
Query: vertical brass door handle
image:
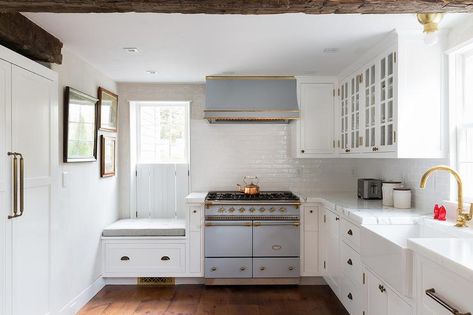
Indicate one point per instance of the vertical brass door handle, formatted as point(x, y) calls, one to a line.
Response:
point(22, 184)
point(15, 209)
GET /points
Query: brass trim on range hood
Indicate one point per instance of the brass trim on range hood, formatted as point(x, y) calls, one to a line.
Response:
point(249, 77)
point(251, 110)
point(247, 119)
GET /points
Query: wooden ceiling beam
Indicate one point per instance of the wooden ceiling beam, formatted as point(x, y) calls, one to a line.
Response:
point(25, 37)
point(238, 6)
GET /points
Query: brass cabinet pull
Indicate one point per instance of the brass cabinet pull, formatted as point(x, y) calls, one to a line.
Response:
point(213, 269)
point(276, 247)
point(242, 268)
point(350, 262)
point(125, 258)
point(434, 296)
point(15, 207)
point(165, 258)
point(262, 268)
point(291, 268)
point(22, 184)
point(350, 232)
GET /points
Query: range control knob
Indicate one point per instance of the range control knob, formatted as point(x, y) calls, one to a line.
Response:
point(252, 209)
point(262, 209)
point(241, 210)
point(231, 210)
point(272, 209)
point(282, 209)
point(221, 210)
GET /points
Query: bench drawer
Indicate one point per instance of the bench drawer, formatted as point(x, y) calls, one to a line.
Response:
point(144, 259)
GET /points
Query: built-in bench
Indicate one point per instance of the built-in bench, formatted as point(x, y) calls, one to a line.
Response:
point(146, 227)
point(144, 248)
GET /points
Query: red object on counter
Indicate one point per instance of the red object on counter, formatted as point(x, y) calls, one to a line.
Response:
point(442, 214)
point(436, 212)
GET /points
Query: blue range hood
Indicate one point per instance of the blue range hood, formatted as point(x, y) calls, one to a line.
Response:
point(251, 99)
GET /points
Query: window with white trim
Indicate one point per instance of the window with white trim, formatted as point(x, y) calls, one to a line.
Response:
point(462, 88)
point(162, 132)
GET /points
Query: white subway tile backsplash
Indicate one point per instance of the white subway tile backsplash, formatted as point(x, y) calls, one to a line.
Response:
point(223, 154)
point(409, 171)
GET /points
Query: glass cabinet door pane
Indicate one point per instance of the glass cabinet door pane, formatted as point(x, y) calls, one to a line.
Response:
point(373, 112)
point(390, 134)
point(383, 90)
point(367, 137)
point(383, 67)
point(390, 88)
point(390, 63)
point(367, 117)
point(372, 74)
point(383, 112)
point(373, 136)
point(390, 110)
point(383, 135)
point(372, 94)
point(367, 77)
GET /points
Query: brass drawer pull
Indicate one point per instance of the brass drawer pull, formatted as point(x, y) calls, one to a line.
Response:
point(350, 232)
point(291, 268)
point(276, 247)
point(434, 296)
point(242, 268)
point(350, 296)
point(125, 258)
point(165, 258)
point(262, 268)
point(213, 269)
point(350, 262)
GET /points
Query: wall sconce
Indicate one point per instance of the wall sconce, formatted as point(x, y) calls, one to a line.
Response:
point(430, 22)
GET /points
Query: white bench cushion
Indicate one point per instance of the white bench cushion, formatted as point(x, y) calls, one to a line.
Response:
point(146, 227)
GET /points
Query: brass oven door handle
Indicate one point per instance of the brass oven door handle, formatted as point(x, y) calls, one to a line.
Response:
point(434, 296)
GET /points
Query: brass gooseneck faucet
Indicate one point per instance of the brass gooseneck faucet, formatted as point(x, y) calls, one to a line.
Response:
point(462, 217)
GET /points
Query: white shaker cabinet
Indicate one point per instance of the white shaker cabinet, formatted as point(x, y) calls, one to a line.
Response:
point(309, 240)
point(382, 300)
point(330, 249)
point(439, 290)
point(28, 114)
point(391, 101)
point(315, 130)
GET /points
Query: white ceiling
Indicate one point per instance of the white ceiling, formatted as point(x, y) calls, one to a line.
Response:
point(186, 48)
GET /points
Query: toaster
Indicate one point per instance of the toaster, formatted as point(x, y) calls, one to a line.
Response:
point(370, 188)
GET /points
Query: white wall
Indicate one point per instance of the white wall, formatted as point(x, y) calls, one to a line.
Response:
point(222, 154)
point(87, 204)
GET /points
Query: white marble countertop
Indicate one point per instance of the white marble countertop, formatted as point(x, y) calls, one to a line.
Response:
point(455, 254)
point(365, 211)
point(196, 197)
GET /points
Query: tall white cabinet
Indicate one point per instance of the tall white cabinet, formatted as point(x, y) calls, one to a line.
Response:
point(28, 114)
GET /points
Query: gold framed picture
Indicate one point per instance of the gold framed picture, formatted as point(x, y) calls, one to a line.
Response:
point(107, 110)
point(107, 156)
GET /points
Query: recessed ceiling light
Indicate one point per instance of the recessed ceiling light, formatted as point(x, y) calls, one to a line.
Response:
point(131, 50)
point(151, 72)
point(331, 50)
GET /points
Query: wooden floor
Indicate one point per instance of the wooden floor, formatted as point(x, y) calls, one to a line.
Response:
point(215, 300)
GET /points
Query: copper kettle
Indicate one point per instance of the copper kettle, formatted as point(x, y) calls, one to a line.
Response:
point(251, 188)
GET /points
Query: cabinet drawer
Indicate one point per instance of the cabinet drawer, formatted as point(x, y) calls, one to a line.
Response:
point(351, 264)
point(144, 259)
point(351, 297)
point(449, 287)
point(195, 218)
point(311, 219)
point(228, 268)
point(351, 233)
point(275, 267)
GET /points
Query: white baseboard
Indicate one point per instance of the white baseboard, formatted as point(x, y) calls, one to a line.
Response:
point(83, 298)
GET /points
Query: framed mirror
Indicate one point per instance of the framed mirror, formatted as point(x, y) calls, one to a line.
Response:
point(80, 125)
point(107, 110)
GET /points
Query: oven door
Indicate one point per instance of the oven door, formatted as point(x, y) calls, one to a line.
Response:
point(228, 238)
point(276, 238)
